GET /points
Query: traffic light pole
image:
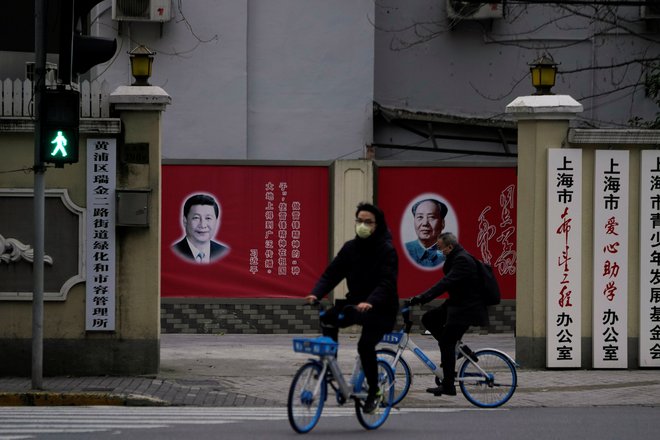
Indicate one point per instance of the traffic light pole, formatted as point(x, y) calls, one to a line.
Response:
point(56, 112)
point(39, 198)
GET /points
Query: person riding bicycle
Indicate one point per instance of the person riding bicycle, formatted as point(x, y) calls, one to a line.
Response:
point(464, 307)
point(370, 265)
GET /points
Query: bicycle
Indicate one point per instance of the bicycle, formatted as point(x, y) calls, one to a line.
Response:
point(309, 388)
point(487, 377)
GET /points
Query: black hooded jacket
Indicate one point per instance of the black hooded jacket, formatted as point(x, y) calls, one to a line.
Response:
point(465, 304)
point(370, 266)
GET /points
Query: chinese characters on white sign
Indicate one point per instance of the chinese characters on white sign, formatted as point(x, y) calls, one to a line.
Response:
point(100, 247)
point(610, 271)
point(649, 238)
point(610, 294)
point(564, 238)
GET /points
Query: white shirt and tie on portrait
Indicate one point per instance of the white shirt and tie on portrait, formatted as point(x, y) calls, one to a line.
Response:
point(201, 253)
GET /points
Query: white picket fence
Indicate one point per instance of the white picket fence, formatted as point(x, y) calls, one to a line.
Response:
point(17, 99)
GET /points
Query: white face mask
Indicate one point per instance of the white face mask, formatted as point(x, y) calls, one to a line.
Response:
point(362, 230)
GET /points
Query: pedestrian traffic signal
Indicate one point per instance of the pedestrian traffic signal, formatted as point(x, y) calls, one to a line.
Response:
point(88, 51)
point(60, 119)
point(77, 51)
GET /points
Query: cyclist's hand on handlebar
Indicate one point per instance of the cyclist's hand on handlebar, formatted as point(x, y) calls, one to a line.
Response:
point(311, 299)
point(415, 300)
point(364, 307)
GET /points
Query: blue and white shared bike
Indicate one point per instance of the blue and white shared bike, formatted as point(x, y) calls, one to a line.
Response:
point(487, 377)
point(309, 389)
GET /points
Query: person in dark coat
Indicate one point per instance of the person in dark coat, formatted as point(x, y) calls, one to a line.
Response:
point(369, 264)
point(463, 308)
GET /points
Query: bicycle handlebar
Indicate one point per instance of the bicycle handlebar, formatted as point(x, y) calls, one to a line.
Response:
point(322, 309)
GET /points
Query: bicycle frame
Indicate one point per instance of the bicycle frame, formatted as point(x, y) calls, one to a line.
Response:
point(487, 376)
point(403, 342)
point(347, 390)
point(309, 387)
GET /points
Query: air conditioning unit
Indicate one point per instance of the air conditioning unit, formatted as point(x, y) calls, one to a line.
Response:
point(142, 10)
point(466, 10)
point(651, 10)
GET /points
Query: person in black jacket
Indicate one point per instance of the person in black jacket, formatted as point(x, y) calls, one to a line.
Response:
point(463, 308)
point(369, 263)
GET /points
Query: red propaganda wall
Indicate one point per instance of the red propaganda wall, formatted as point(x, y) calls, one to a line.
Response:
point(481, 212)
point(273, 225)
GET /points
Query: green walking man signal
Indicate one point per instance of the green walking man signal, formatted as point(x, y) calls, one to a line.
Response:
point(60, 127)
point(60, 149)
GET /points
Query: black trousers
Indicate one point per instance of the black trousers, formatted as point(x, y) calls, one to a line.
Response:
point(447, 335)
point(374, 328)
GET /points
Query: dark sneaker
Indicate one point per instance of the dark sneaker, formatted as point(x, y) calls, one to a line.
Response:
point(372, 402)
point(447, 390)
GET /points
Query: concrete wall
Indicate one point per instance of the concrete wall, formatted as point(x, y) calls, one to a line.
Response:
point(541, 127)
point(428, 61)
point(353, 182)
point(276, 79)
point(534, 139)
point(257, 79)
point(220, 316)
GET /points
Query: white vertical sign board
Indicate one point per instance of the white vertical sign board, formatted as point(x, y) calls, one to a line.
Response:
point(100, 243)
point(564, 241)
point(649, 261)
point(610, 295)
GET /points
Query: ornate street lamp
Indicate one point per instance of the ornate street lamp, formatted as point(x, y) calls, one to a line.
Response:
point(141, 60)
point(544, 73)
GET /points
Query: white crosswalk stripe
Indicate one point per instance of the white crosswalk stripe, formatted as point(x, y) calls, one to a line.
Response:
point(18, 423)
point(26, 422)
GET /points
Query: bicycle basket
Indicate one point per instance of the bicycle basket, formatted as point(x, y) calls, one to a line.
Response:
point(322, 345)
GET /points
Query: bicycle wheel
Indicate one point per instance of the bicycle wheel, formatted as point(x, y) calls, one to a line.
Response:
point(402, 373)
point(494, 389)
point(303, 405)
point(386, 383)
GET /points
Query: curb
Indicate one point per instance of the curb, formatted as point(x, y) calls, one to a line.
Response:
point(45, 398)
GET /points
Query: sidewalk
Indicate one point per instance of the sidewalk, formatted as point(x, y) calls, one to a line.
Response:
point(256, 370)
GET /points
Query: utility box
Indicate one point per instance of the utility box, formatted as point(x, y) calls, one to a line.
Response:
point(133, 207)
